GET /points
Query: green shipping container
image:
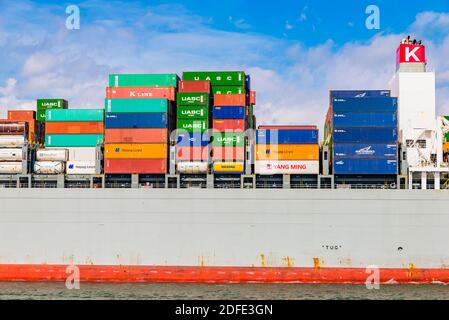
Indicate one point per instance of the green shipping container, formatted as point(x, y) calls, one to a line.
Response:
point(40, 115)
point(73, 140)
point(193, 112)
point(143, 80)
point(446, 136)
point(136, 105)
point(194, 125)
point(222, 78)
point(228, 90)
point(192, 99)
point(45, 104)
point(75, 115)
point(228, 139)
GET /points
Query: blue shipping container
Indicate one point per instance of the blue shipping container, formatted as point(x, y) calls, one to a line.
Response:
point(364, 135)
point(248, 82)
point(365, 120)
point(135, 120)
point(287, 137)
point(196, 139)
point(342, 94)
point(365, 166)
point(365, 105)
point(228, 112)
point(365, 151)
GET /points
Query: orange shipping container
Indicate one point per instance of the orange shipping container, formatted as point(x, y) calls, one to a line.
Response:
point(136, 136)
point(135, 151)
point(21, 115)
point(32, 134)
point(74, 128)
point(446, 147)
point(287, 152)
point(225, 100)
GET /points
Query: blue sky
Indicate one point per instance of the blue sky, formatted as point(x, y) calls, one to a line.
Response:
point(295, 50)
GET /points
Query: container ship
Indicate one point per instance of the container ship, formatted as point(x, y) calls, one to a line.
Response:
point(174, 181)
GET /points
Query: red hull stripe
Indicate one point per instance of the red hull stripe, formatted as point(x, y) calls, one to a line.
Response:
point(34, 273)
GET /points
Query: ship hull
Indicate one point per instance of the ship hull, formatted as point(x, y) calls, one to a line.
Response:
point(224, 236)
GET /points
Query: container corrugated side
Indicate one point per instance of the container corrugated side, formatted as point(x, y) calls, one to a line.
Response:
point(287, 152)
point(135, 166)
point(136, 136)
point(141, 93)
point(228, 153)
point(193, 126)
point(287, 167)
point(136, 120)
point(74, 128)
point(186, 139)
point(192, 99)
point(365, 135)
point(228, 139)
point(135, 151)
point(192, 112)
point(74, 115)
point(359, 93)
point(228, 125)
point(228, 89)
point(45, 104)
point(228, 112)
point(365, 120)
point(228, 167)
point(73, 140)
point(365, 166)
point(81, 167)
point(194, 153)
point(143, 80)
point(217, 78)
point(365, 150)
point(136, 105)
point(365, 105)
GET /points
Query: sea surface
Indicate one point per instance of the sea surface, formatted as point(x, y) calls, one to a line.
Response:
point(97, 291)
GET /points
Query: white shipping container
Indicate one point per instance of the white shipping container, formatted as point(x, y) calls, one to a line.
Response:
point(287, 167)
point(192, 167)
point(12, 141)
point(10, 167)
point(82, 154)
point(52, 155)
point(11, 155)
point(81, 167)
point(49, 167)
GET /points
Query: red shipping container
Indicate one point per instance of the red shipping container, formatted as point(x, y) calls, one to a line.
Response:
point(225, 100)
point(141, 93)
point(74, 128)
point(135, 166)
point(194, 86)
point(288, 128)
point(21, 115)
point(251, 98)
point(192, 153)
point(228, 153)
point(228, 125)
point(136, 136)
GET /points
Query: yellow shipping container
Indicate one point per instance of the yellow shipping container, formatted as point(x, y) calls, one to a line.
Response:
point(287, 152)
point(229, 167)
point(135, 151)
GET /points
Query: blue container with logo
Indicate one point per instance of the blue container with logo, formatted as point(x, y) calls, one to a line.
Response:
point(135, 120)
point(287, 137)
point(365, 166)
point(365, 151)
point(364, 105)
point(197, 139)
point(342, 94)
point(365, 119)
point(228, 112)
point(365, 135)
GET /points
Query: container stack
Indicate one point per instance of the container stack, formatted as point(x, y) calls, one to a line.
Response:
point(193, 110)
point(139, 118)
point(290, 150)
point(35, 130)
point(230, 118)
point(80, 132)
point(13, 137)
point(364, 132)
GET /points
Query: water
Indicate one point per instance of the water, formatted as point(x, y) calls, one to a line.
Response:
point(58, 291)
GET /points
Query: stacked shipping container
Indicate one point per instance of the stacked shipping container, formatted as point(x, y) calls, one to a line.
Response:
point(364, 134)
point(230, 114)
point(139, 114)
point(287, 150)
point(193, 109)
point(13, 136)
point(35, 128)
point(80, 132)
